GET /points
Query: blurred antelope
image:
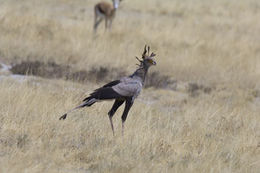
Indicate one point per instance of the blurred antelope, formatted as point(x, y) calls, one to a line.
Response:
point(107, 11)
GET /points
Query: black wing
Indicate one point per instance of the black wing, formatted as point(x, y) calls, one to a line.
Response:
point(110, 84)
point(103, 89)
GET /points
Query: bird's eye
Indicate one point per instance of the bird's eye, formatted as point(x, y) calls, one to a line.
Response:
point(150, 61)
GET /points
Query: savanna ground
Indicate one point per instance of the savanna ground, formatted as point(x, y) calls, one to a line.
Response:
point(203, 117)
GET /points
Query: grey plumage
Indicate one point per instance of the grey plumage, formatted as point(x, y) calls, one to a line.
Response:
point(128, 87)
point(124, 90)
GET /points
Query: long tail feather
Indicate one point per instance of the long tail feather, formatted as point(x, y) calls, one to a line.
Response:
point(88, 103)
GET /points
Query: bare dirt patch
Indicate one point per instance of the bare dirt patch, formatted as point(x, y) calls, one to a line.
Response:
point(37, 68)
point(53, 70)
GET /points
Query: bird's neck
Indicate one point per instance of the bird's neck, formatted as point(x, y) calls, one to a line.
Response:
point(141, 73)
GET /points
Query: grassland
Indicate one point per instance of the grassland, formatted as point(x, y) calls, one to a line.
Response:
point(208, 122)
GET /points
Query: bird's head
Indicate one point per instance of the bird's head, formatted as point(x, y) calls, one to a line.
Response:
point(148, 60)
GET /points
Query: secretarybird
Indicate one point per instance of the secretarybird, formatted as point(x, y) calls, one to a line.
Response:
point(124, 90)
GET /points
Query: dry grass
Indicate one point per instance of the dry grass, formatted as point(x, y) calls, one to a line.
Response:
point(208, 123)
point(211, 133)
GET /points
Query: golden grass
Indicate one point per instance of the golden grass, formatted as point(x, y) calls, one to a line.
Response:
point(213, 43)
point(211, 40)
point(212, 133)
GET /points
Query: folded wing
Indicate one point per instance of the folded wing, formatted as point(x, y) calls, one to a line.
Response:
point(128, 87)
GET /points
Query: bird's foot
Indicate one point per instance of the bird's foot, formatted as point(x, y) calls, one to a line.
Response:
point(122, 128)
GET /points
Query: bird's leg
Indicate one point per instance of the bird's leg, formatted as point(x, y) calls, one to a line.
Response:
point(95, 21)
point(123, 128)
point(114, 108)
point(112, 126)
point(128, 105)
